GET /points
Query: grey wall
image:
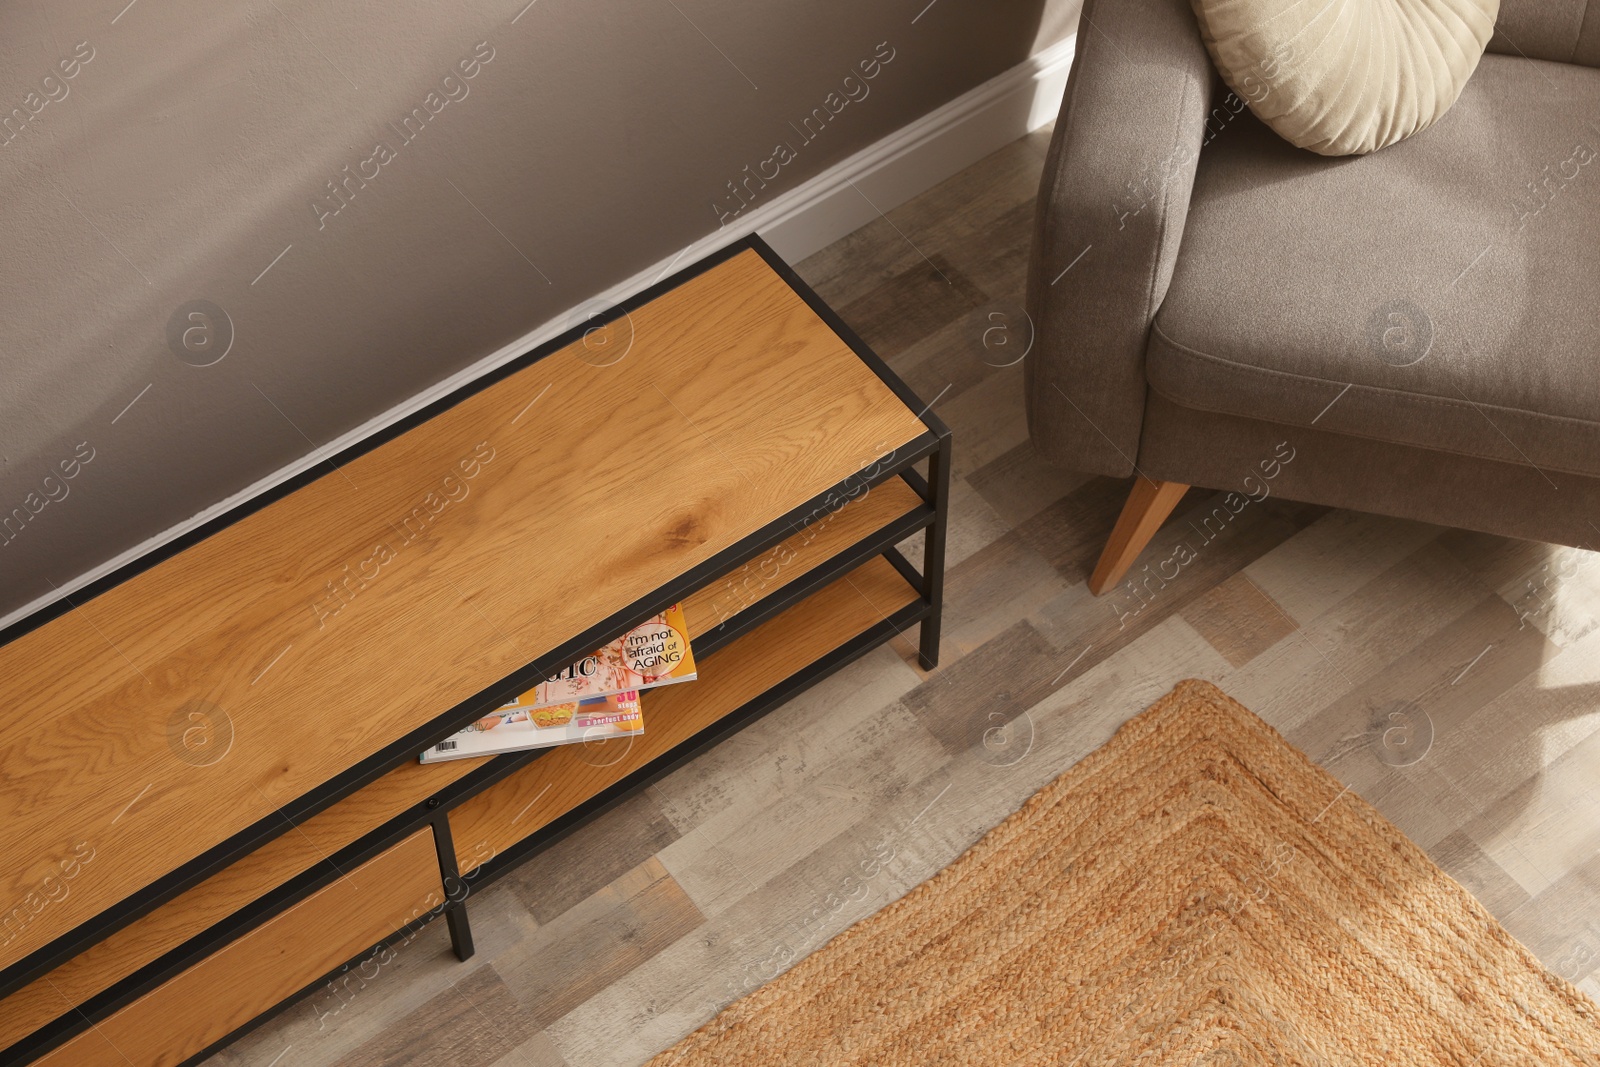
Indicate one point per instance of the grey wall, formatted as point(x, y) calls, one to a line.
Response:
point(168, 151)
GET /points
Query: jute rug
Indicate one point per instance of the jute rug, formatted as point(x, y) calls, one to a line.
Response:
point(1195, 892)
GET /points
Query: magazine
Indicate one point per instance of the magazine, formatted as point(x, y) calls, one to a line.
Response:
point(517, 725)
point(654, 653)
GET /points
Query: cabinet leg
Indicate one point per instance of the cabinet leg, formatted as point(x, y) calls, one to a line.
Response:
point(456, 889)
point(933, 553)
point(455, 915)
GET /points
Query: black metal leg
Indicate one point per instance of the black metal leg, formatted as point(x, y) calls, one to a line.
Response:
point(933, 552)
point(455, 915)
point(455, 887)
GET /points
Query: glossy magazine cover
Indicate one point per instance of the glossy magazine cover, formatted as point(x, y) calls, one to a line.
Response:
point(654, 653)
point(517, 726)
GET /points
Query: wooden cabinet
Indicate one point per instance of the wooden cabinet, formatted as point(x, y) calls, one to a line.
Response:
point(745, 454)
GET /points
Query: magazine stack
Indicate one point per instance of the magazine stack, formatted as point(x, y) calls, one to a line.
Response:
point(595, 699)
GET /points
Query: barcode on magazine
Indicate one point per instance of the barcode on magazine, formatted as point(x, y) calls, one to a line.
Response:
point(445, 746)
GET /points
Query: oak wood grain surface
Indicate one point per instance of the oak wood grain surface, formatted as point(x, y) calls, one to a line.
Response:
point(345, 615)
point(556, 783)
point(797, 556)
point(208, 1001)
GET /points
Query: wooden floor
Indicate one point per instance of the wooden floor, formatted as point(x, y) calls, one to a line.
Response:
point(1452, 679)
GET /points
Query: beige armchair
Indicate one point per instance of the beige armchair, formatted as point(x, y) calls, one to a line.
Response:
point(1417, 330)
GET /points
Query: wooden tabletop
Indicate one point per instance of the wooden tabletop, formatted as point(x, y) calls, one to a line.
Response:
point(356, 609)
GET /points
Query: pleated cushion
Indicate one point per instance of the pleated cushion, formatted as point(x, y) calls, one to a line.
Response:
point(1347, 77)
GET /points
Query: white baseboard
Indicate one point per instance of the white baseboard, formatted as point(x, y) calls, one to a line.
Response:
point(918, 156)
point(797, 223)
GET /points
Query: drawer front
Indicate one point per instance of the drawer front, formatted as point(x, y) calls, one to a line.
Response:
point(275, 960)
point(198, 909)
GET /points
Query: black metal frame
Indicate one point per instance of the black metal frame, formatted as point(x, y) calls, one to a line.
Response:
point(455, 908)
point(933, 446)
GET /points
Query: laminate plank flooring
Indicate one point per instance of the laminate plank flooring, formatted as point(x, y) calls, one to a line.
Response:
point(1451, 678)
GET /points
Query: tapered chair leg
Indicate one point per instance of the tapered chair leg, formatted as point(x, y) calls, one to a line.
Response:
point(1147, 508)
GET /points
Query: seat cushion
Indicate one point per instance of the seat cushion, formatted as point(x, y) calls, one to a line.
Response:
point(1443, 293)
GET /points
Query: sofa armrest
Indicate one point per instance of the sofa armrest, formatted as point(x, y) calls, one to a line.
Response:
point(1112, 206)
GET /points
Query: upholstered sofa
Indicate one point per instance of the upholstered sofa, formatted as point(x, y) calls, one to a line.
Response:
point(1419, 327)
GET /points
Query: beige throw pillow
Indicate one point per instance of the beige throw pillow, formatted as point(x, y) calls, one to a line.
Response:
point(1347, 77)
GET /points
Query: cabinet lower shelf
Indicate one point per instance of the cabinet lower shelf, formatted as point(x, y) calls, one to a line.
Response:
point(569, 780)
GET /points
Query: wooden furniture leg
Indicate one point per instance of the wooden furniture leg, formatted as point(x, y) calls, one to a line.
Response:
point(1149, 504)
